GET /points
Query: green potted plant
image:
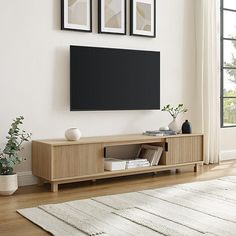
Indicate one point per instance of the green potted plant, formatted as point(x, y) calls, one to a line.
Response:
point(174, 112)
point(10, 156)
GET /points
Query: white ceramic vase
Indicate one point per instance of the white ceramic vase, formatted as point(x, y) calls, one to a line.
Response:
point(8, 184)
point(73, 134)
point(174, 126)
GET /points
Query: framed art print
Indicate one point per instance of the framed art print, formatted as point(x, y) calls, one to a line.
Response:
point(143, 18)
point(76, 15)
point(112, 16)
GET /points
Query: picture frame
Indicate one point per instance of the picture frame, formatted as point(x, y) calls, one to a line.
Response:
point(143, 18)
point(112, 16)
point(76, 15)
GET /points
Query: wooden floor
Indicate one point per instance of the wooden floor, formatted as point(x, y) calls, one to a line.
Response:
point(13, 224)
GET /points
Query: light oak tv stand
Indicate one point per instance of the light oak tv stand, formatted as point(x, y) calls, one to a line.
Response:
point(60, 161)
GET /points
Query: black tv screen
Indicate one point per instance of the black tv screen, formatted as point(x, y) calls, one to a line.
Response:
point(114, 79)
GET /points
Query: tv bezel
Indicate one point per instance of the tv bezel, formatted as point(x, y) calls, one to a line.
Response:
point(119, 109)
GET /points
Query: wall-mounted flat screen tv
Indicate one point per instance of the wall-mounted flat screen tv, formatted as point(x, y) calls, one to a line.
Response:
point(114, 79)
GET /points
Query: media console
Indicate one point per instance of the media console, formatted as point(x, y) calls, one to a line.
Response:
point(60, 161)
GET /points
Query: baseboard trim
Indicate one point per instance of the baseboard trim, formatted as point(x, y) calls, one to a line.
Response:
point(26, 178)
point(228, 155)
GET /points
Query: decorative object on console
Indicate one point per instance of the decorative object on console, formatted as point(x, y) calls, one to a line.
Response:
point(143, 18)
point(174, 112)
point(73, 134)
point(76, 15)
point(186, 127)
point(112, 16)
point(168, 132)
point(151, 153)
point(153, 133)
point(164, 128)
point(9, 157)
point(159, 132)
point(174, 126)
point(137, 163)
point(114, 164)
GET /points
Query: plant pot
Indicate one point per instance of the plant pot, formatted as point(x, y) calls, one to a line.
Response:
point(174, 126)
point(8, 184)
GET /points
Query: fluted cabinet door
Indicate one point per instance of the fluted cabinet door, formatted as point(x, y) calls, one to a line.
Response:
point(77, 160)
point(184, 149)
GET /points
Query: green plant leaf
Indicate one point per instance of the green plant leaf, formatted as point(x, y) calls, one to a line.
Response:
point(9, 156)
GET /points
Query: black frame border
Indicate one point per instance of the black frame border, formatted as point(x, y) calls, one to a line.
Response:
point(63, 20)
point(100, 24)
point(222, 67)
point(131, 21)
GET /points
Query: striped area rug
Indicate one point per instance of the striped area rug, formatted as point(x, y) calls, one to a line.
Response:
point(199, 208)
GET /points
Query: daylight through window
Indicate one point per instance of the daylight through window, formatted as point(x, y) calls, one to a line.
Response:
point(228, 63)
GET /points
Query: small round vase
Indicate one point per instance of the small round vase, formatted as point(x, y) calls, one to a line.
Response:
point(174, 126)
point(186, 127)
point(73, 134)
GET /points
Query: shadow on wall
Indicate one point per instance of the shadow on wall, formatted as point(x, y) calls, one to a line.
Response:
point(189, 73)
point(60, 85)
point(25, 153)
point(56, 15)
point(61, 80)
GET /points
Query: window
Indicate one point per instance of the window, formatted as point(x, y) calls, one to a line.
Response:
point(228, 63)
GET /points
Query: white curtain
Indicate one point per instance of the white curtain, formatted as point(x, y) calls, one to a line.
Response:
point(208, 74)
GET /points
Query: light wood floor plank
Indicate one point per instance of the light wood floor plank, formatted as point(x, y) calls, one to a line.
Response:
point(12, 223)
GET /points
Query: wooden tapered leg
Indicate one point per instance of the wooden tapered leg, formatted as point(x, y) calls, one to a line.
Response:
point(178, 171)
point(54, 187)
point(40, 182)
point(196, 167)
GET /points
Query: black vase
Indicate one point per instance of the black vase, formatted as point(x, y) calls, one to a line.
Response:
point(186, 127)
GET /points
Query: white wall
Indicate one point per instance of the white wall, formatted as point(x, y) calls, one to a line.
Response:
point(34, 70)
point(228, 143)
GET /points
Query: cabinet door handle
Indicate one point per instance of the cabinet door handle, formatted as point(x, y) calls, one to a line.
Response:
point(104, 152)
point(166, 146)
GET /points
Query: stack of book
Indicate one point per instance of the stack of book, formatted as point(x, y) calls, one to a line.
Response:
point(153, 133)
point(114, 164)
point(159, 133)
point(150, 153)
point(135, 163)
